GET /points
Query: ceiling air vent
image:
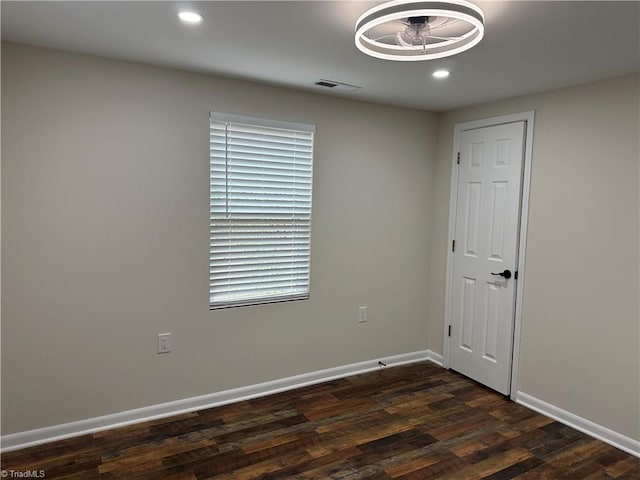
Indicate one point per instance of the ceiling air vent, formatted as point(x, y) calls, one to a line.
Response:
point(337, 86)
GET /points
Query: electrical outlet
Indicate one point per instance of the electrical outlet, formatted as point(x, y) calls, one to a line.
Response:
point(362, 314)
point(164, 342)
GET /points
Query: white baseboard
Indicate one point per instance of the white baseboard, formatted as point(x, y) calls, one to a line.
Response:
point(593, 429)
point(16, 441)
point(434, 357)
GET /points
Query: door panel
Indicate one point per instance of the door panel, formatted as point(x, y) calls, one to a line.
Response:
point(468, 312)
point(487, 222)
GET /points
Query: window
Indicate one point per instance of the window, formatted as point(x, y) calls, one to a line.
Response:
point(260, 209)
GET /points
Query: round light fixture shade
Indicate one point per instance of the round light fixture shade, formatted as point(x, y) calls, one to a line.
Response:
point(409, 31)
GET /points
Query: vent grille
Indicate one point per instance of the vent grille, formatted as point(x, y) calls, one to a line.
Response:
point(322, 83)
point(337, 86)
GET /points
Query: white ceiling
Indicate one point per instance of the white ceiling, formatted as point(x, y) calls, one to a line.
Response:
point(528, 46)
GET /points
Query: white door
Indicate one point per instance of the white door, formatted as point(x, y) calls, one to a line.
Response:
point(486, 253)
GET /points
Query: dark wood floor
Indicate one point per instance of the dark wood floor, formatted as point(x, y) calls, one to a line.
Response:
point(412, 422)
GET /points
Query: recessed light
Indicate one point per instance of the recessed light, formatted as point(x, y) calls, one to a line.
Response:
point(441, 73)
point(192, 18)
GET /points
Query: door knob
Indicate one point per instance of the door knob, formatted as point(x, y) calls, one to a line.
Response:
point(506, 274)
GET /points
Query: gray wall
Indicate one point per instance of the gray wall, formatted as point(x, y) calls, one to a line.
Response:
point(105, 238)
point(580, 346)
point(105, 233)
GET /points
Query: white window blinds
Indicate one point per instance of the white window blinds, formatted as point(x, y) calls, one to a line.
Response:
point(260, 209)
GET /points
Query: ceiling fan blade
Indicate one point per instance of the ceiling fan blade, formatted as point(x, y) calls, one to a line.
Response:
point(444, 38)
point(384, 36)
point(444, 23)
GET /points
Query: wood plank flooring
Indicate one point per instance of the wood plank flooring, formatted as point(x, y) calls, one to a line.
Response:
point(410, 423)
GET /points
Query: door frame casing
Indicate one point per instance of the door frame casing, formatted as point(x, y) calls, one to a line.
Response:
point(528, 118)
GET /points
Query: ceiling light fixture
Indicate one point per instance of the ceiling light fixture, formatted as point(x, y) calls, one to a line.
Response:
point(409, 31)
point(441, 73)
point(192, 18)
